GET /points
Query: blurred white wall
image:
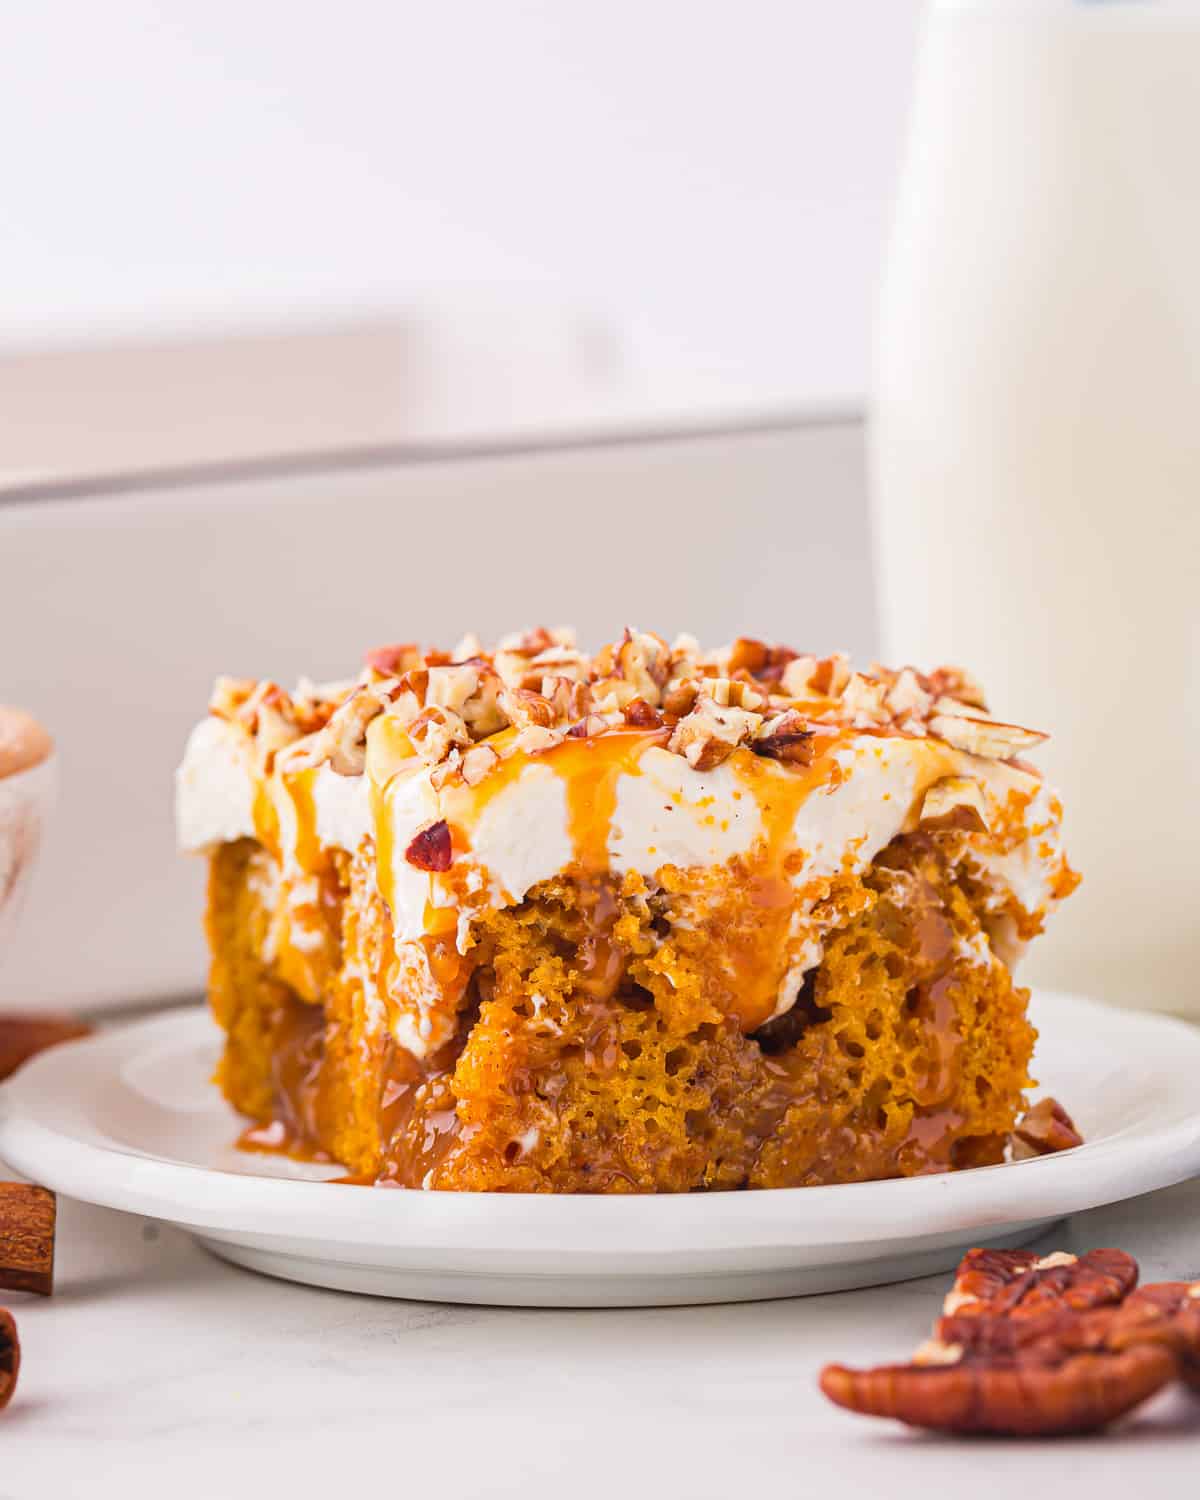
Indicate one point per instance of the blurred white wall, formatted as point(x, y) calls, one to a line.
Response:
point(717, 176)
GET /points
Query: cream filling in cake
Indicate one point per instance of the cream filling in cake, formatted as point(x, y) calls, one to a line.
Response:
point(611, 805)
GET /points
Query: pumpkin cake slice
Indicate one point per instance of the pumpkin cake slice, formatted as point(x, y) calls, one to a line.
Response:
point(649, 920)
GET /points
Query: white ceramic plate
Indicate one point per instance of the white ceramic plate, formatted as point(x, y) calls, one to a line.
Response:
point(129, 1119)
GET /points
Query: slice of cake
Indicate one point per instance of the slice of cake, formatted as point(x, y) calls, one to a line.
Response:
point(648, 920)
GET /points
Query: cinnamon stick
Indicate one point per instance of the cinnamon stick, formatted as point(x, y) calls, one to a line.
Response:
point(27, 1215)
point(10, 1357)
point(22, 1036)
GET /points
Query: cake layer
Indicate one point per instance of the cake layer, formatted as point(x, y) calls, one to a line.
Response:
point(906, 1053)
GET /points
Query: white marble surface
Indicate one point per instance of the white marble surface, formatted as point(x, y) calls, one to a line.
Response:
point(156, 1370)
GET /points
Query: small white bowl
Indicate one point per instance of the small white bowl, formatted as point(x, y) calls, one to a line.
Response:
point(26, 798)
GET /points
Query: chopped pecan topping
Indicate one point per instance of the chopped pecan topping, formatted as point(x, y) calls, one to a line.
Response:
point(611, 694)
point(797, 678)
point(450, 687)
point(532, 642)
point(729, 692)
point(481, 712)
point(588, 727)
point(431, 848)
point(1036, 1348)
point(540, 684)
point(437, 731)
point(865, 700)
point(640, 715)
point(640, 660)
point(684, 659)
point(478, 763)
point(785, 737)
point(343, 741)
point(469, 648)
point(906, 697)
point(986, 737)
point(568, 699)
point(747, 655)
point(526, 708)
point(680, 699)
point(831, 675)
point(229, 694)
point(954, 682)
point(536, 738)
point(394, 661)
point(268, 715)
point(712, 732)
point(563, 661)
point(955, 802)
point(1043, 1129)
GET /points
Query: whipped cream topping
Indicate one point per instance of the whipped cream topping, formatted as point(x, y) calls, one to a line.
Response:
point(214, 787)
point(618, 803)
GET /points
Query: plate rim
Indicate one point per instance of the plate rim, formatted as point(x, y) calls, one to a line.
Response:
point(1136, 1160)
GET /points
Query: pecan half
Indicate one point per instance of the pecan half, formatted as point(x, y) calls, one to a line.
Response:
point(1043, 1129)
point(1035, 1347)
point(10, 1357)
point(1168, 1312)
point(1040, 1378)
point(27, 1221)
point(431, 848)
point(1020, 1284)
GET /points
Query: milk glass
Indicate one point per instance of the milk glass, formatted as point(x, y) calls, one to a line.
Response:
point(1036, 439)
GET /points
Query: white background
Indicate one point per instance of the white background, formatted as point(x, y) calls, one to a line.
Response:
point(717, 175)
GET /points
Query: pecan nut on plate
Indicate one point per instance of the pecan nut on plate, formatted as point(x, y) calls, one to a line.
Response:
point(1044, 1129)
point(1030, 1346)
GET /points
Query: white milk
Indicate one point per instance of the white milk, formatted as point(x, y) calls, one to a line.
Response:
point(1036, 444)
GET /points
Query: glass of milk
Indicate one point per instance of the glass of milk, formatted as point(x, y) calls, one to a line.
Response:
point(1036, 439)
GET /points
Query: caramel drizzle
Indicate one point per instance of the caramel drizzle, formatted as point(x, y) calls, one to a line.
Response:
point(266, 817)
point(300, 787)
point(590, 770)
